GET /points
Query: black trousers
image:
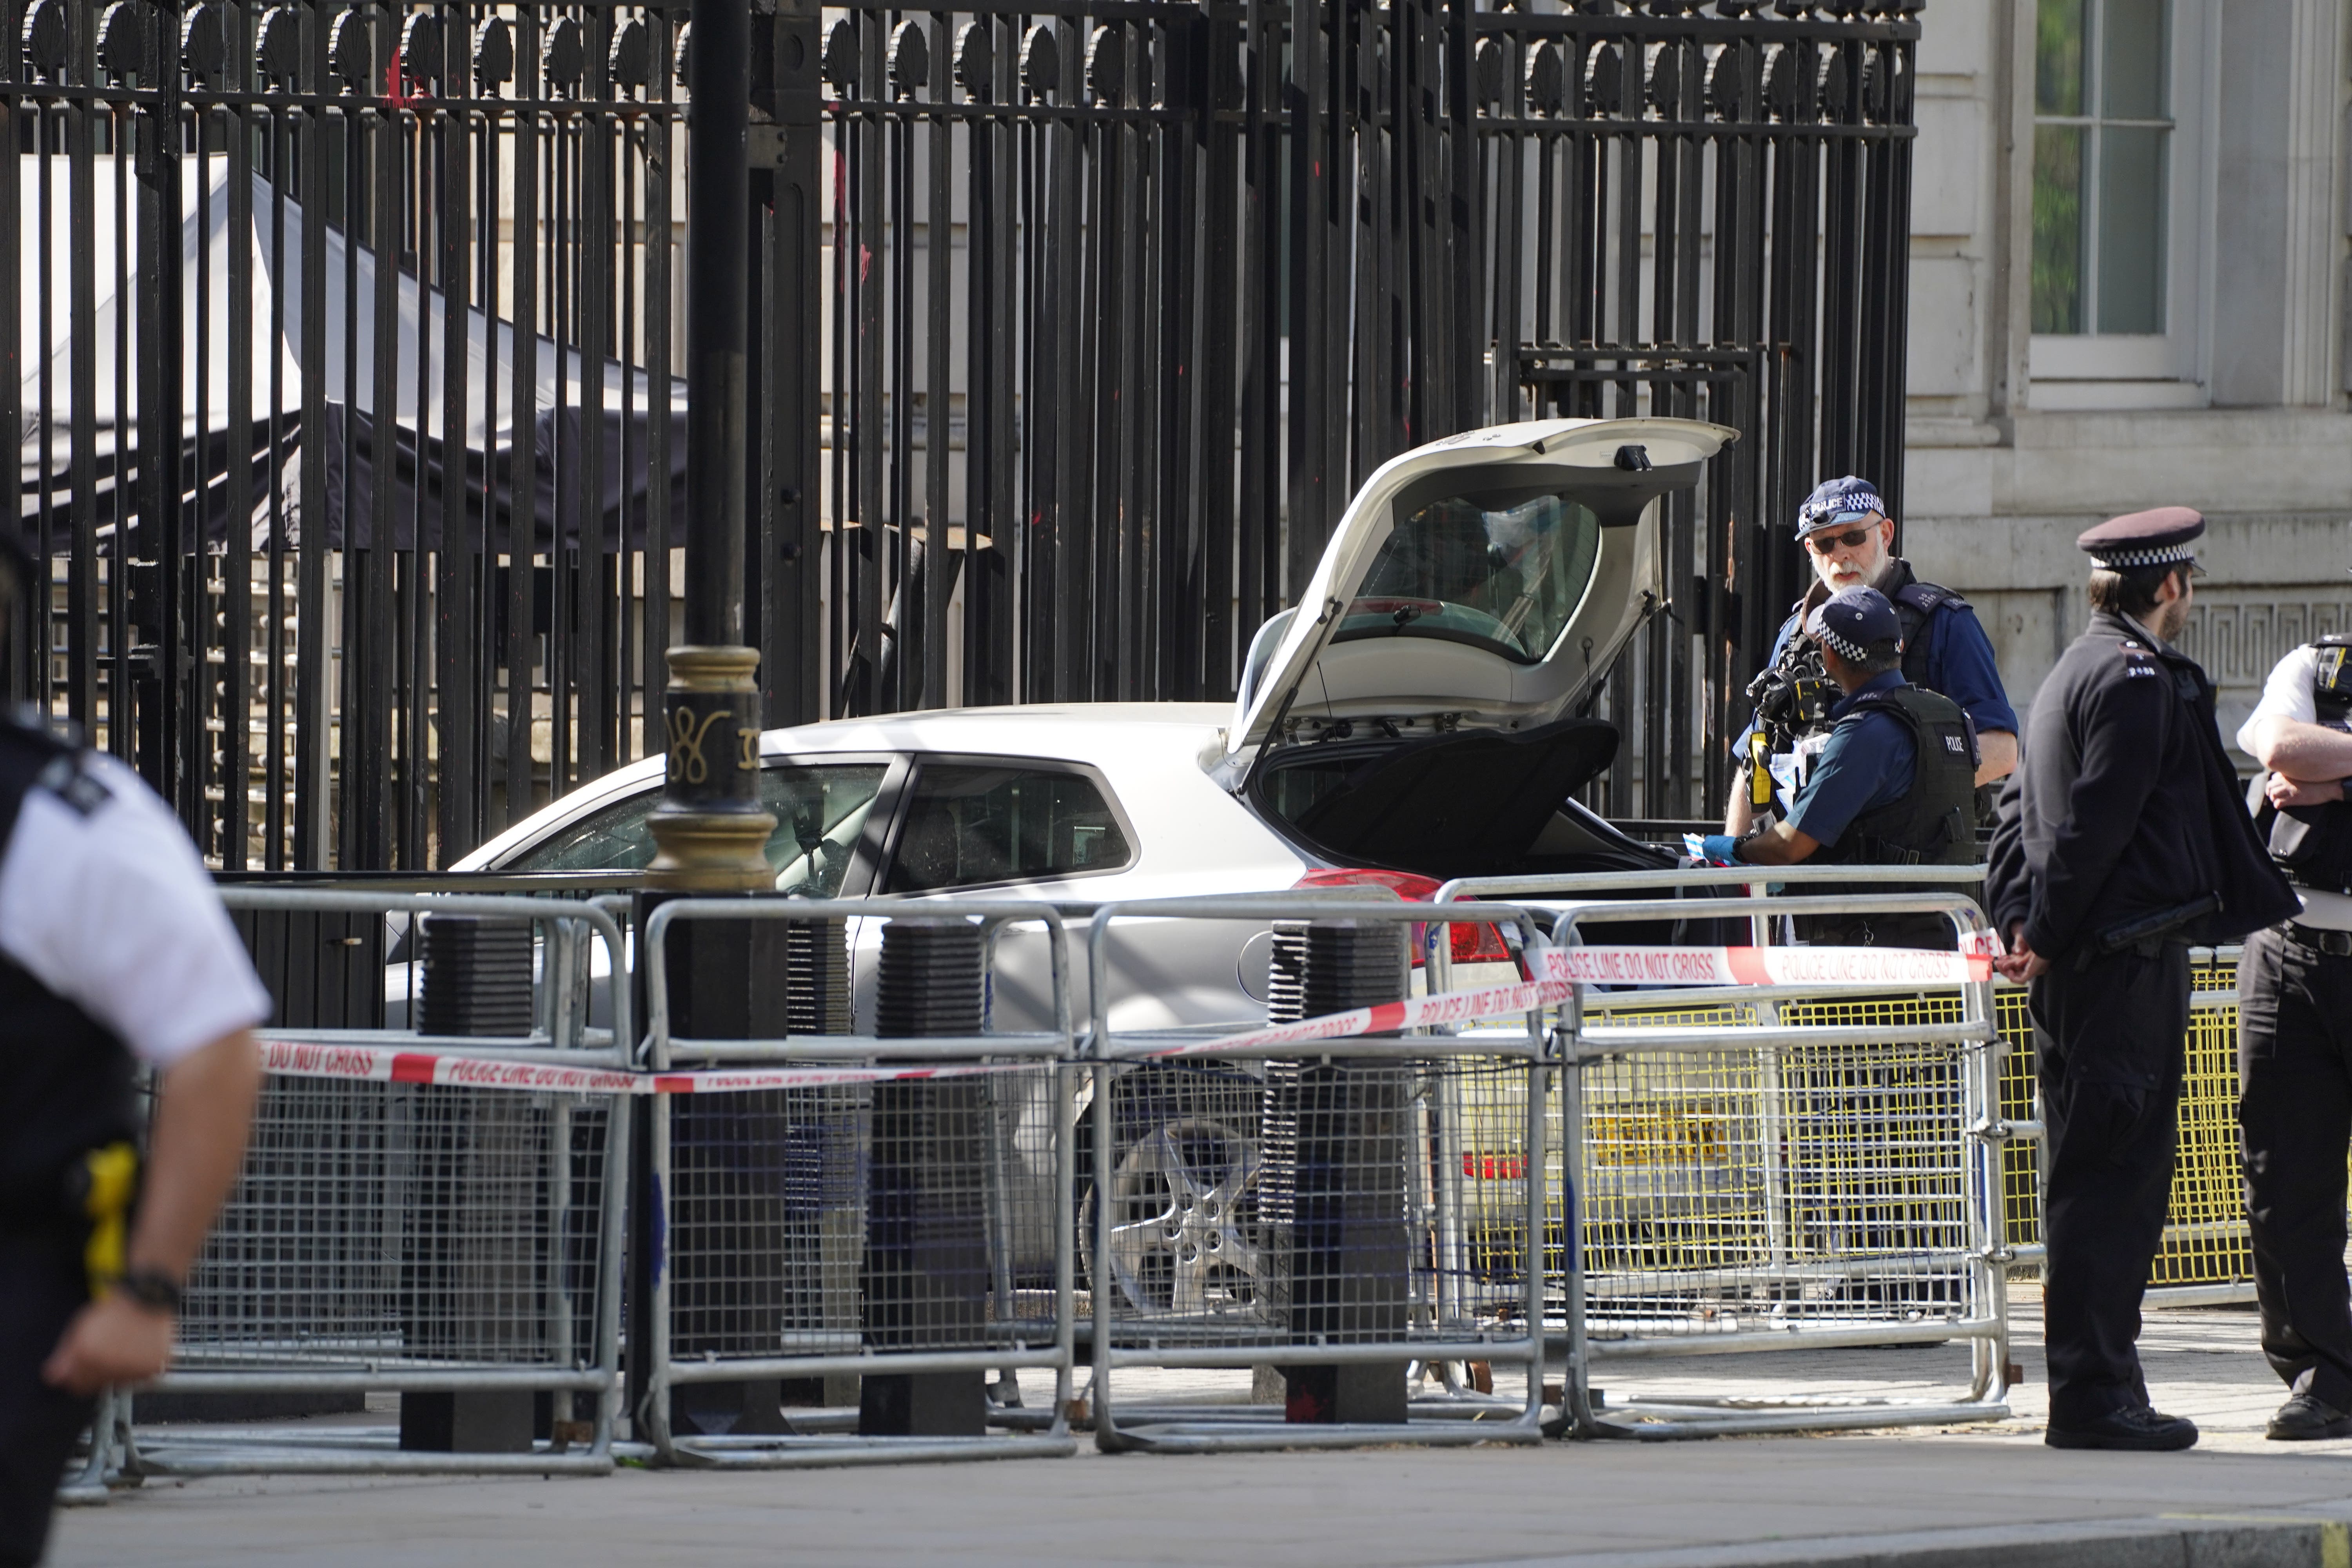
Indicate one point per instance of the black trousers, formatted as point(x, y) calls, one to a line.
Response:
point(41, 1287)
point(2110, 1039)
point(2295, 1116)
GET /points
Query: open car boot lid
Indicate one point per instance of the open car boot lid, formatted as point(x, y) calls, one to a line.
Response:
point(1482, 581)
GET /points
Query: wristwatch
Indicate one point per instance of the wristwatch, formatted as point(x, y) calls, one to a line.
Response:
point(150, 1287)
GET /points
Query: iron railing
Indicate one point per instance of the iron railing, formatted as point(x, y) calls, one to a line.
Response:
point(1072, 332)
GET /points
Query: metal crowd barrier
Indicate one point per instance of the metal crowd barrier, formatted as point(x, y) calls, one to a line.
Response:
point(848, 1205)
point(1648, 1175)
point(2206, 1257)
point(1258, 1202)
point(1755, 1170)
point(436, 1216)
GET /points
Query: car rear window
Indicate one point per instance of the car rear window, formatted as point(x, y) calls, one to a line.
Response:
point(968, 825)
point(1502, 569)
point(819, 813)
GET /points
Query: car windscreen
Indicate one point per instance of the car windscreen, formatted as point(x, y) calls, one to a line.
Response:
point(820, 814)
point(1499, 567)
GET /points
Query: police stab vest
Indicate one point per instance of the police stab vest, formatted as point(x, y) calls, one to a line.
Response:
point(67, 1081)
point(2312, 844)
point(1934, 822)
point(1916, 603)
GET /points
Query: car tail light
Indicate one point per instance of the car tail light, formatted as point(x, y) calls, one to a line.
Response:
point(1472, 943)
point(1479, 944)
point(1405, 885)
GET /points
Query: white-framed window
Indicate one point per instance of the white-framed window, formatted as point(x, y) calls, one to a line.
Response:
point(2115, 255)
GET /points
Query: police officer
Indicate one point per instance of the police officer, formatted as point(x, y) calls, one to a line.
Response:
point(2121, 841)
point(1850, 541)
point(2294, 1040)
point(113, 949)
point(1895, 782)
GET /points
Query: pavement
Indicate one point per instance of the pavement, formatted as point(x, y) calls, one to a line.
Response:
point(1917, 1498)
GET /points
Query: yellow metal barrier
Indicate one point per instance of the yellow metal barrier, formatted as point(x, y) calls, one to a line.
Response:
point(2205, 1242)
point(1672, 1191)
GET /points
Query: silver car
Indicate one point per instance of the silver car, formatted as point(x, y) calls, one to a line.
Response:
point(1412, 720)
point(1408, 723)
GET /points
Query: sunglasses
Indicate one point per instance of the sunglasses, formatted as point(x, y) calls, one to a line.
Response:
point(1822, 543)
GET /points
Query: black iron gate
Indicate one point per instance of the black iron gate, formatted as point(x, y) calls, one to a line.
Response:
point(1073, 328)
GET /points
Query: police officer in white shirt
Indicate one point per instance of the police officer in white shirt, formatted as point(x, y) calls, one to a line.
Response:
point(2294, 1039)
point(114, 950)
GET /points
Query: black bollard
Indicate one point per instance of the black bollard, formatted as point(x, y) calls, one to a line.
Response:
point(817, 976)
point(477, 976)
point(925, 1272)
point(829, 1130)
point(731, 1242)
point(471, 1276)
point(1333, 1144)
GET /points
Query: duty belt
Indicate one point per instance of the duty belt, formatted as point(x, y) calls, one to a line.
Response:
point(2149, 935)
point(2335, 943)
point(91, 1200)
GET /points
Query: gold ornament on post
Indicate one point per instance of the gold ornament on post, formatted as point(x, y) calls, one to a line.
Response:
point(711, 832)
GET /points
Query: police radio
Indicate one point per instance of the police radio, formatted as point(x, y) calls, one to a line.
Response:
point(2331, 680)
point(1787, 705)
point(1792, 704)
point(2309, 842)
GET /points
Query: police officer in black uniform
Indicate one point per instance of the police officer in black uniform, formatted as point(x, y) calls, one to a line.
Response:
point(1850, 540)
point(1894, 785)
point(113, 949)
point(2122, 840)
point(2294, 1040)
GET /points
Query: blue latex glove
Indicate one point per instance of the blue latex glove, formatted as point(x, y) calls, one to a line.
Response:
point(1717, 850)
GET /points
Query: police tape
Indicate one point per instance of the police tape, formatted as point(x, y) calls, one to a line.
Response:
point(1567, 968)
point(1766, 966)
point(390, 1064)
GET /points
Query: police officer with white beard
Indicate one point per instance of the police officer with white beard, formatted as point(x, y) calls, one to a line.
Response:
point(1849, 541)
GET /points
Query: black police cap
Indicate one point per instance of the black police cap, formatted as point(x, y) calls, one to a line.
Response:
point(2163, 536)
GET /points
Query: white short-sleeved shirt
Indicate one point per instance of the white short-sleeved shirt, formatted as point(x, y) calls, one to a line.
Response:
point(103, 899)
point(2287, 695)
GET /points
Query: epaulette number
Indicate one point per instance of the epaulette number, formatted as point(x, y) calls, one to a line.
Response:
point(70, 782)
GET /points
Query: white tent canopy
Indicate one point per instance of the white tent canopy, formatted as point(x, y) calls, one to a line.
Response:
point(56, 238)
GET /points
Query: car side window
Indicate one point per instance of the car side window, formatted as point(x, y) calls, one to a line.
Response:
point(613, 839)
point(820, 814)
point(969, 824)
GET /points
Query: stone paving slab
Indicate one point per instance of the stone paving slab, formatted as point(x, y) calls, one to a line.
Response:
point(1917, 1498)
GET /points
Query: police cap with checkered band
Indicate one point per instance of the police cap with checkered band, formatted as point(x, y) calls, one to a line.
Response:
point(2163, 536)
point(1852, 621)
point(1837, 502)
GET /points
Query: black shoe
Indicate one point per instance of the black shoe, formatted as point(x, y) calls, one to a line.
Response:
point(2305, 1419)
point(2138, 1430)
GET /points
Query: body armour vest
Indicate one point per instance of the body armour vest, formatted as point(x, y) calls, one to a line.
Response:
point(1934, 822)
point(2312, 844)
point(1797, 719)
point(67, 1081)
point(1915, 603)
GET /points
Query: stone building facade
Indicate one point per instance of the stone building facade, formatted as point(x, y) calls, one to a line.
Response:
point(2130, 288)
